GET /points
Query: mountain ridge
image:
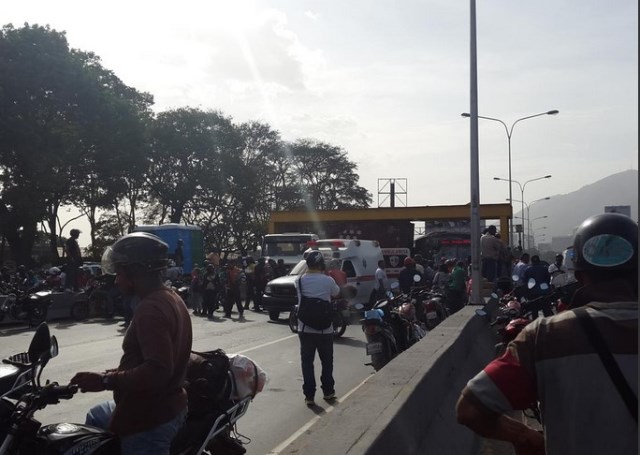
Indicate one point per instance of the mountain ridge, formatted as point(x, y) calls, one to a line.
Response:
point(565, 212)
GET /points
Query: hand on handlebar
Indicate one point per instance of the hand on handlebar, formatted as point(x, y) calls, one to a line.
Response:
point(88, 382)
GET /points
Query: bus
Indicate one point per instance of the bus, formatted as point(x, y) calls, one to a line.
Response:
point(289, 246)
point(191, 236)
point(436, 245)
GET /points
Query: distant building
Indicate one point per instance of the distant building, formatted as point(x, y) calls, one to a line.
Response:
point(560, 242)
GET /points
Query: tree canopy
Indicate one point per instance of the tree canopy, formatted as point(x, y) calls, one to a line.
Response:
point(72, 134)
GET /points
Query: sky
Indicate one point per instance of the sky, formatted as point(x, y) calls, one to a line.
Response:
point(388, 80)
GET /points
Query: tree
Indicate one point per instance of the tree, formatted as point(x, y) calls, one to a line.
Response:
point(62, 118)
point(186, 159)
point(326, 177)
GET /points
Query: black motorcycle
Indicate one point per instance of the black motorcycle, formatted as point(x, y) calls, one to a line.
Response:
point(22, 394)
point(24, 306)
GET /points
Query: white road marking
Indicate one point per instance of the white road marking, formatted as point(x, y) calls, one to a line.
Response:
point(266, 344)
point(310, 423)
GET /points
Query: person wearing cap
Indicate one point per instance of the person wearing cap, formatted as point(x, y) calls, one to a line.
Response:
point(314, 284)
point(74, 260)
point(580, 365)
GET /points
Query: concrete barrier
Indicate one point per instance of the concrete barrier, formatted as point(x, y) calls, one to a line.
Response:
point(408, 407)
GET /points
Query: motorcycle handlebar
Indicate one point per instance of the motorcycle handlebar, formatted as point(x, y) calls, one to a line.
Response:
point(60, 392)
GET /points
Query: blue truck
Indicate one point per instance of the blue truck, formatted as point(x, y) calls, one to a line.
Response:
point(192, 241)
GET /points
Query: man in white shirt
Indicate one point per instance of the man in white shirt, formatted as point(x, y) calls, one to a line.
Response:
point(316, 285)
point(381, 285)
point(557, 267)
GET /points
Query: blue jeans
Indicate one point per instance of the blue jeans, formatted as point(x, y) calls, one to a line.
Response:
point(154, 441)
point(309, 343)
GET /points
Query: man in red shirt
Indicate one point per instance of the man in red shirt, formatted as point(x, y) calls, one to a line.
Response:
point(333, 270)
point(150, 404)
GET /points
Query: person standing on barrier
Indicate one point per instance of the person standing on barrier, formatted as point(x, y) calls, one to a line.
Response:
point(581, 365)
point(317, 286)
point(490, 250)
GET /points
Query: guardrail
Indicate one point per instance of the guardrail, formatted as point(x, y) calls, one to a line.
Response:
point(408, 407)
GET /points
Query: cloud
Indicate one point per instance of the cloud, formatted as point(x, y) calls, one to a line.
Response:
point(313, 16)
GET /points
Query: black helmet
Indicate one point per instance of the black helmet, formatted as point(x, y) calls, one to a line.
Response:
point(315, 259)
point(138, 248)
point(606, 242)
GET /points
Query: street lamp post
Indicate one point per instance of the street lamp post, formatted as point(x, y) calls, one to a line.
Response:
point(530, 230)
point(522, 187)
point(509, 132)
point(529, 217)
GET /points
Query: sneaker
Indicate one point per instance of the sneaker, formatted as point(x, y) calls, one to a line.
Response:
point(309, 401)
point(330, 396)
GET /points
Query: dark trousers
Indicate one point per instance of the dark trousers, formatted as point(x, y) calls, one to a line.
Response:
point(542, 304)
point(233, 296)
point(250, 293)
point(490, 269)
point(309, 344)
point(455, 299)
point(257, 296)
point(209, 301)
point(71, 277)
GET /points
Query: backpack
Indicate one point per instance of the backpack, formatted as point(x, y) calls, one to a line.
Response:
point(208, 382)
point(314, 312)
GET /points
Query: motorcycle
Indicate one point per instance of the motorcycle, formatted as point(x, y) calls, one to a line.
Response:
point(434, 309)
point(25, 306)
point(22, 394)
point(390, 327)
point(105, 300)
point(341, 315)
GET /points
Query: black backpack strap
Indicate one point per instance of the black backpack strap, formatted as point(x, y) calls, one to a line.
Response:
point(595, 338)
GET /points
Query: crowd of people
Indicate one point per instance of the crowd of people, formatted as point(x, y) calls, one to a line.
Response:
point(240, 282)
point(580, 365)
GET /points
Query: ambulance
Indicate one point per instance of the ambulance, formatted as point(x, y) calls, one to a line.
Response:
point(358, 260)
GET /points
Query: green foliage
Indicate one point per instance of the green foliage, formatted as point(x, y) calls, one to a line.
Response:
point(73, 134)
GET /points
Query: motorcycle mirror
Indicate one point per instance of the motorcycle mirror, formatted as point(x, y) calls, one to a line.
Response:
point(531, 283)
point(416, 278)
point(40, 343)
point(493, 296)
point(481, 313)
point(53, 351)
point(358, 306)
point(544, 286)
point(515, 277)
point(395, 285)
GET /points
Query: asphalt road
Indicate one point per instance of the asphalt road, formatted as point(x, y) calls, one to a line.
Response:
point(275, 416)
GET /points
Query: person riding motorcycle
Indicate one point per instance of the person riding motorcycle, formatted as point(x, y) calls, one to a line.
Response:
point(150, 403)
point(596, 340)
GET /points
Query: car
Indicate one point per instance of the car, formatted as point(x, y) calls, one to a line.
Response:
point(358, 260)
point(94, 267)
point(280, 294)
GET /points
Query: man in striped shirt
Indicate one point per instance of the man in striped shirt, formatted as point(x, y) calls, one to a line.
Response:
point(587, 408)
